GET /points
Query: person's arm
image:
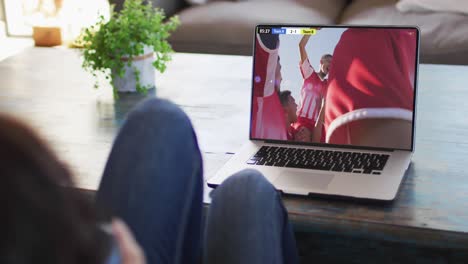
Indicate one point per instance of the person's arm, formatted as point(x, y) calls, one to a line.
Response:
point(321, 117)
point(317, 133)
point(302, 49)
point(381, 132)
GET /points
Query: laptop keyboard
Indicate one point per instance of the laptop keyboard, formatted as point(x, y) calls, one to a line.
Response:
point(327, 160)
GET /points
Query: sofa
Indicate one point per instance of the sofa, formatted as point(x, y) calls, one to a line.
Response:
point(226, 27)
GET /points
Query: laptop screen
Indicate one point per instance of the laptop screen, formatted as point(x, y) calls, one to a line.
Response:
point(352, 86)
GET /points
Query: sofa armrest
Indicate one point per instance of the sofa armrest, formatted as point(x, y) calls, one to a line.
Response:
point(170, 7)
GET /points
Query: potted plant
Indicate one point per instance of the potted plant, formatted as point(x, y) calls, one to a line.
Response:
point(129, 47)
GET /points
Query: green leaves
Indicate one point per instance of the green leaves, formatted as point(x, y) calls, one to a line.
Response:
point(125, 35)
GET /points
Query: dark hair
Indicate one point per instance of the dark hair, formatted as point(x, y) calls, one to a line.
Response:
point(283, 96)
point(270, 40)
point(44, 221)
point(326, 56)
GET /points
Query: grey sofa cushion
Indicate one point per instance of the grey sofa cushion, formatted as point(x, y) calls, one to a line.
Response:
point(227, 27)
point(444, 36)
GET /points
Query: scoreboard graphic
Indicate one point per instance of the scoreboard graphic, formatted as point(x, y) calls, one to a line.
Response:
point(287, 31)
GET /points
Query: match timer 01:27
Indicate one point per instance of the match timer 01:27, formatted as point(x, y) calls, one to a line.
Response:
point(264, 30)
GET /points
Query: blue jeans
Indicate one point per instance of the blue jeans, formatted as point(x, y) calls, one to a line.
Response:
point(153, 180)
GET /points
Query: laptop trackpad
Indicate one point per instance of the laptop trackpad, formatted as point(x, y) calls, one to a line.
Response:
point(302, 182)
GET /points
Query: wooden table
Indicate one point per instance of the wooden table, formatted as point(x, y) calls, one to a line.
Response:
point(47, 88)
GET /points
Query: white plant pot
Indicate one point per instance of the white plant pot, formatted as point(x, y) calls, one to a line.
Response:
point(144, 64)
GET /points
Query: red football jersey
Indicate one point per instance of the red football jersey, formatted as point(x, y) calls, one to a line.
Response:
point(268, 120)
point(313, 91)
point(371, 76)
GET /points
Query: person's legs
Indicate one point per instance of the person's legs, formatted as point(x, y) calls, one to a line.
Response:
point(153, 180)
point(247, 223)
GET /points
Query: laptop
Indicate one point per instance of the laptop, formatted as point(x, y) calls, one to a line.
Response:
point(332, 110)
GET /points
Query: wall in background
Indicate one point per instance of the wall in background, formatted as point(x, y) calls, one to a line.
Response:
point(70, 15)
point(2, 13)
point(2, 21)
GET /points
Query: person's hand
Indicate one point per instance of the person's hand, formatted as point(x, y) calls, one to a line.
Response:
point(130, 251)
point(303, 135)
